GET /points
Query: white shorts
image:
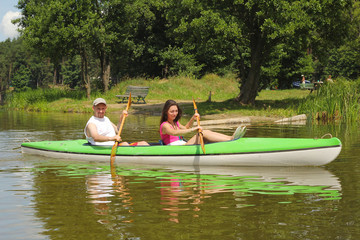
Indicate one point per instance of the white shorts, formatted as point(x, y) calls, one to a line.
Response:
point(177, 143)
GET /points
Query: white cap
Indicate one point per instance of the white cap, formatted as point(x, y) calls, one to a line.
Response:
point(98, 101)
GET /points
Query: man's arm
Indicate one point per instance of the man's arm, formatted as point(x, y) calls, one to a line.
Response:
point(91, 131)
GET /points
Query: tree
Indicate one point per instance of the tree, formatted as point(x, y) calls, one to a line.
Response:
point(18, 67)
point(198, 29)
point(141, 37)
point(21, 78)
point(71, 72)
point(254, 30)
point(59, 28)
point(266, 24)
point(345, 60)
point(267, 42)
point(8, 52)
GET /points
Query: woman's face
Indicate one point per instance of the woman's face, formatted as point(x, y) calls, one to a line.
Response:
point(172, 113)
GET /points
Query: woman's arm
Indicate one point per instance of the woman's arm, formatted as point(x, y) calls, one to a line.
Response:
point(167, 129)
point(191, 121)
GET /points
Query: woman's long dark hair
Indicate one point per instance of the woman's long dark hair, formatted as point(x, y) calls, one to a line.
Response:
point(169, 103)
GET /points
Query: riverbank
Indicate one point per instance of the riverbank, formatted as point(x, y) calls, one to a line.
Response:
point(269, 105)
point(213, 94)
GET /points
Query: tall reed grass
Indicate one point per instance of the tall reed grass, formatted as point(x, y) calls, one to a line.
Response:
point(334, 101)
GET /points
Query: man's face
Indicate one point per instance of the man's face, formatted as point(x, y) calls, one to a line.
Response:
point(99, 110)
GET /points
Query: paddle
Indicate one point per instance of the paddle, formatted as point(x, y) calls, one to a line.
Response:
point(114, 148)
point(200, 131)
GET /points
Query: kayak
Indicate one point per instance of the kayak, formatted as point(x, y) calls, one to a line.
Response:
point(240, 152)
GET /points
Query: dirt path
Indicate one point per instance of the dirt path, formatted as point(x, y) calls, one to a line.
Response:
point(155, 108)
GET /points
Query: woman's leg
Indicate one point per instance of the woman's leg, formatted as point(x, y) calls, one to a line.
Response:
point(209, 136)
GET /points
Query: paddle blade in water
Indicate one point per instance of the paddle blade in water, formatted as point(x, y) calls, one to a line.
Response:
point(113, 152)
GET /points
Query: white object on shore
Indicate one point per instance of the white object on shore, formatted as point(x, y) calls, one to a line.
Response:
point(296, 118)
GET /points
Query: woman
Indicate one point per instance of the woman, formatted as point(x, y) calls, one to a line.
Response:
point(171, 130)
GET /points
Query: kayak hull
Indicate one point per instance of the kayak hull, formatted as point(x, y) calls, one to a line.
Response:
point(242, 152)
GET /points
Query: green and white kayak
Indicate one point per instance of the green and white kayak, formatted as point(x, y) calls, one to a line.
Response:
point(241, 152)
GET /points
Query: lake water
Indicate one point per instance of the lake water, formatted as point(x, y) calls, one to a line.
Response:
point(43, 198)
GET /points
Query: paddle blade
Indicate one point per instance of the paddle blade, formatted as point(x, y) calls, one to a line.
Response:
point(113, 151)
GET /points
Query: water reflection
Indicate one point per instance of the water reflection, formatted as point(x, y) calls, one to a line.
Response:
point(176, 193)
point(61, 199)
point(189, 190)
point(117, 192)
point(102, 188)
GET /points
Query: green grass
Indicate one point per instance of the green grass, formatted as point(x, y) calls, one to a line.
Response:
point(183, 88)
point(269, 103)
point(334, 101)
point(47, 100)
point(223, 91)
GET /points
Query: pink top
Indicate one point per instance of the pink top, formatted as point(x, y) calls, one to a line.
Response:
point(166, 138)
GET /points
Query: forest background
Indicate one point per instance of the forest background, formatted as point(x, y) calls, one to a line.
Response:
point(92, 45)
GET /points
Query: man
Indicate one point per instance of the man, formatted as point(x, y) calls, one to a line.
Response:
point(99, 130)
point(329, 79)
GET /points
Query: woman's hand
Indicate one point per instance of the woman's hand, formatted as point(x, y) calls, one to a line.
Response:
point(192, 119)
point(195, 116)
point(196, 128)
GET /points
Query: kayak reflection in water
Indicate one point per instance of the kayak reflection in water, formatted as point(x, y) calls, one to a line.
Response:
point(99, 130)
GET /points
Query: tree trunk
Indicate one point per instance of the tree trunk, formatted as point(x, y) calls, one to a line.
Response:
point(105, 70)
point(249, 86)
point(2, 90)
point(55, 75)
point(61, 67)
point(55, 71)
point(105, 74)
point(10, 73)
point(85, 73)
